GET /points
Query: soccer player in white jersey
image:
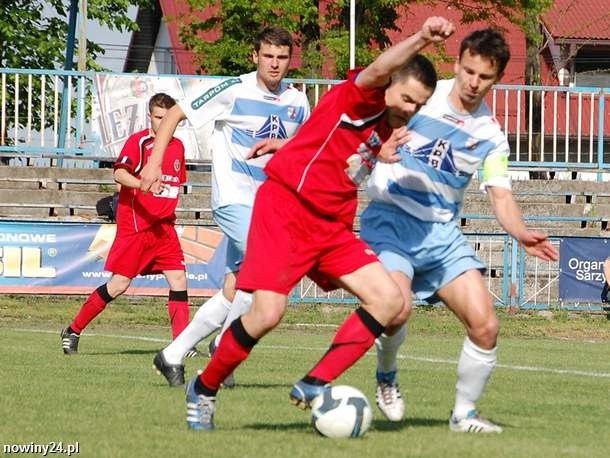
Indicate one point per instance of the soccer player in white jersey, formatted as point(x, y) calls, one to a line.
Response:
point(410, 223)
point(253, 115)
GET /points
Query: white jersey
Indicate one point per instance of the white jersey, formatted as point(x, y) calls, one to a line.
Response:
point(437, 164)
point(243, 114)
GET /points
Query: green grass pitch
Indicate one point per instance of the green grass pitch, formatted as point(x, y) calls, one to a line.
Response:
point(550, 390)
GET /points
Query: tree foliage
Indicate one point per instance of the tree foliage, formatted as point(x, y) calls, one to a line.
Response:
point(322, 28)
point(34, 34)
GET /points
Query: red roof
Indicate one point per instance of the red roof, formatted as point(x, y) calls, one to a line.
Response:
point(580, 20)
point(176, 13)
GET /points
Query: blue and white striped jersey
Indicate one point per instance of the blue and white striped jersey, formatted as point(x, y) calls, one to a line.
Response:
point(243, 114)
point(437, 164)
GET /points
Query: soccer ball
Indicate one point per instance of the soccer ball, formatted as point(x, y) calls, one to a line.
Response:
point(341, 411)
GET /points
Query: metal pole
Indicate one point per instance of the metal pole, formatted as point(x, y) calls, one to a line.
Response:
point(82, 37)
point(352, 34)
point(63, 122)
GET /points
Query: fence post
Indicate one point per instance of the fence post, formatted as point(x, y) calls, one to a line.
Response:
point(600, 135)
point(515, 289)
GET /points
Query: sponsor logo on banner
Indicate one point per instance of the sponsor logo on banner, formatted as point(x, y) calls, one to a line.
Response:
point(69, 259)
point(120, 108)
point(581, 260)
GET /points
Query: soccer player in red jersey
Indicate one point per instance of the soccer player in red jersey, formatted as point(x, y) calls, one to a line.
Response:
point(146, 241)
point(303, 219)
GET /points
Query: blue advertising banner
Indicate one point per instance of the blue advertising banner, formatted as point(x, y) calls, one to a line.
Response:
point(581, 276)
point(68, 258)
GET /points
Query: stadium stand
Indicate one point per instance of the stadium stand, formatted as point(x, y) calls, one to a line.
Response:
point(71, 194)
point(559, 207)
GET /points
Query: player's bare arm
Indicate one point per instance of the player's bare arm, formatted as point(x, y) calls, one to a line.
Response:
point(151, 173)
point(510, 218)
point(435, 29)
point(124, 178)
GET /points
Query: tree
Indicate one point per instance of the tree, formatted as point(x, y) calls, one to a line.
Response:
point(33, 35)
point(320, 28)
point(236, 22)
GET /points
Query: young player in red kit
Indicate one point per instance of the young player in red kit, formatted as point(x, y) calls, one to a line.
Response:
point(146, 241)
point(303, 218)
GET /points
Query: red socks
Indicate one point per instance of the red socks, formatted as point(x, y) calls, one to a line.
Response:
point(353, 339)
point(92, 307)
point(234, 347)
point(178, 310)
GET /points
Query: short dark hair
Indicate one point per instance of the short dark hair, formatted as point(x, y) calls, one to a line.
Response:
point(161, 100)
point(273, 35)
point(420, 68)
point(489, 43)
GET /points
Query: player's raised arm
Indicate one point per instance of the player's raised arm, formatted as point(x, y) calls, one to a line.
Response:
point(151, 173)
point(435, 29)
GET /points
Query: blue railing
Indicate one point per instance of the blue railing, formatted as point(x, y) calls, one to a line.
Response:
point(70, 118)
point(55, 112)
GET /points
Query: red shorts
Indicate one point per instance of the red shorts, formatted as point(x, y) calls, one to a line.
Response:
point(148, 252)
point(288, 241)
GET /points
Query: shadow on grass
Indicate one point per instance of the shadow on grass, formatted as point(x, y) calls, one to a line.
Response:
point(260, 385)
point(296, 426)
point(385, 425)
point(377, 425)
point(120, 352)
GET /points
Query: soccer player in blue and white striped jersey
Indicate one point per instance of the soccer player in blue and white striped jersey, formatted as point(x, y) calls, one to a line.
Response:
point(410, 222)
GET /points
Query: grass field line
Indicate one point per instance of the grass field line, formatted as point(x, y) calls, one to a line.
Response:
point(412, 358)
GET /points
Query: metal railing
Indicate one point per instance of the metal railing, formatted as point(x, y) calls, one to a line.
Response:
point(514, 280)
point(549, 127)
point(48, 115)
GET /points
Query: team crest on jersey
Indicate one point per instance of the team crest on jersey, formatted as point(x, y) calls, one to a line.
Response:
point(177, 165)
point(438, 155)
point(272, 128)
point(374, 141)
point(292, 112)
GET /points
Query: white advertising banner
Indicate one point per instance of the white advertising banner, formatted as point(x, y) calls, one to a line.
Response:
point(120, 108)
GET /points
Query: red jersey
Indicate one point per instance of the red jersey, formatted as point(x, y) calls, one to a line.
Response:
point(138, 211)
point(334, 150)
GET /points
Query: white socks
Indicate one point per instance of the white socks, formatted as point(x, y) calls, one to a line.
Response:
point(241, 304)
point(208, 318)
point(473, 371)
point(387, 350)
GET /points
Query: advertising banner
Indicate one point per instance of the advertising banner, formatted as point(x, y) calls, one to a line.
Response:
point(581, 276)
point(120, 108)
point(56, 258)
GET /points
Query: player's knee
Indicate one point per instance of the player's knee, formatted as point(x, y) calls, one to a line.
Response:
point(269, 320)
point(403, 316)
point(391, 300)
point(268, 316)
point(117, 286)
point(486, 334)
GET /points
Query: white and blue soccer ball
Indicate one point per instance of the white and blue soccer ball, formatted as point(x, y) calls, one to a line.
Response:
point(341, 411)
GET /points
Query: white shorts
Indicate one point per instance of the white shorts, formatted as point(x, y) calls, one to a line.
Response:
point(234, 221)
point(432, 254)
